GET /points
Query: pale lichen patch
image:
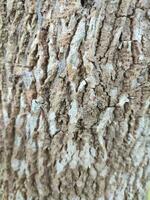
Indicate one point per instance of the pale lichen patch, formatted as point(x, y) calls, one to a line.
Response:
point(22, 167)
point(35, 107)
point(38, 73)
point(27, 79)
point(138, 153)
point(141, 127)
point(67, 158)
point(87, 156)
point(147, 190)
point(31, 124)
point(105, 118)
point(75, 160)
point(19, 165)
point(82, 85)
point(73, 112)
point(109, 68)
point(122, 100)
point(22, 102)
point(134, 83)
point(73, 57)
point(18, 141)
point(32, 145)
point(15, 164)
point(59, 167)
point(19, 195)
point(101, 198)
point(114, 92)
point(75, 198)
point(5, 116)
point(52, 123)
point(38, 11)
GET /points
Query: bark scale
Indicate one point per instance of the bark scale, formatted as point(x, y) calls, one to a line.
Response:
point(74, 99)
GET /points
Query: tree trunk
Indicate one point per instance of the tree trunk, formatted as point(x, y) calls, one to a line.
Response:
point(74, 99)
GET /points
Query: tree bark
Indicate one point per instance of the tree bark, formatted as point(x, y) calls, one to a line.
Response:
point(74, 99)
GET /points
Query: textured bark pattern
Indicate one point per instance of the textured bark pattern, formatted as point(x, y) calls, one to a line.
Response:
point(74, 99)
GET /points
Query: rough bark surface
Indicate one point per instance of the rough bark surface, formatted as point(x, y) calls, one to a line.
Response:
point(74, 99)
